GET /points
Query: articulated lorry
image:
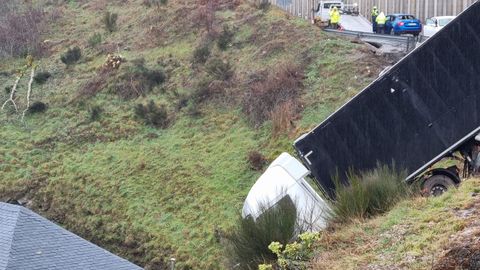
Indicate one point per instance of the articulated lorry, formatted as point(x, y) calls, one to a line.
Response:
point(423, 109)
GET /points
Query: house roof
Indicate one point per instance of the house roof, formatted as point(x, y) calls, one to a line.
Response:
point(29, 241)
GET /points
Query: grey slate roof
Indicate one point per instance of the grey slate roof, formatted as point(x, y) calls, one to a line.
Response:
point(29, 241)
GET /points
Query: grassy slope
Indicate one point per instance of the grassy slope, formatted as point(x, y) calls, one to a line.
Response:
point(144, 193)
point(413, 235)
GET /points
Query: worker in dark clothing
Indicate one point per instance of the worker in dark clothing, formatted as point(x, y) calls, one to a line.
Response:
point(381, 20)
point(374, 19)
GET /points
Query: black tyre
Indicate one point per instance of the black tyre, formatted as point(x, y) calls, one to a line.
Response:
point(436, 185)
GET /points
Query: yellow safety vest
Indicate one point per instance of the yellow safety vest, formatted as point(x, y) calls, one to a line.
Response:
point(335, 18)
point(381, 19)
point(374, 12)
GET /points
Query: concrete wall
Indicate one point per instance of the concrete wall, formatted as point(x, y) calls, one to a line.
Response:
point(420, 8)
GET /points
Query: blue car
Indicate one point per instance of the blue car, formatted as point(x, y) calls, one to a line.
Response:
point(398, 24)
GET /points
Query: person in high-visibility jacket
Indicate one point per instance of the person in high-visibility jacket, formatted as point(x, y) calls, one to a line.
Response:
point(330, 13)
point(381, 20)
point(335, 18)
point(374, 19)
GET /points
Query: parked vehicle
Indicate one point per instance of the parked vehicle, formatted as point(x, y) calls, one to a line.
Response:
point(322, 13)
point(350, 20)
point(398, 24)
point(434, 24)
point(420, 111)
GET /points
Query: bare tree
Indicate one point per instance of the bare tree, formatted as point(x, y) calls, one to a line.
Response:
point(19, 76)
point(206, 14)
point(29, 92)
point(12, 92)
point(20, 30)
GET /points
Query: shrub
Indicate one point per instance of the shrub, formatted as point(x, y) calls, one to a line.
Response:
point(295, 255)
point(8, 89)
point(20, 31)
point(369, 193)
point(138, 81)
point(264, 5)
point(37, 107)
point(201, 54)
point(250, 239)
point(152, 114)
point(225, 38)
point(205, 15)
point(95, 113)
point(219, 69)
point(280, 87)
point(156, 3)
point(256, 160)
point(95, 40)
point(71, 56)
point(282, 116)
point(42, 77)
point(110, 21)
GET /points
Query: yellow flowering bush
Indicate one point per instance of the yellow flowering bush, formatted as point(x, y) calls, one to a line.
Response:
point(295, 255)
point(265, 267)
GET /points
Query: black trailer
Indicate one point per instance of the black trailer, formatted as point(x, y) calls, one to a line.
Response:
point(422, 109)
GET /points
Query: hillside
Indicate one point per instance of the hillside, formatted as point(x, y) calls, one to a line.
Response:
point(170, 185)
point(423, 233)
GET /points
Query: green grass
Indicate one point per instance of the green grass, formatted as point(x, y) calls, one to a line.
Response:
point(411, 235)
point(149, 194)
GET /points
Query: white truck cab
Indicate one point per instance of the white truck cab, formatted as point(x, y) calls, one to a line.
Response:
point(286, 177)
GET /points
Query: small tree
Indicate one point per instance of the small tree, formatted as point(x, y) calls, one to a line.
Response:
point(110, 21)
point(225, 38)
point(94, 40)
point(220, 69)
point(71, 56)
point(152, 114)
point(42, 77)
point(201, 54)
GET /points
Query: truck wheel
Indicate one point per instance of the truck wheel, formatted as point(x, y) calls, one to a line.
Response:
point(436, 185)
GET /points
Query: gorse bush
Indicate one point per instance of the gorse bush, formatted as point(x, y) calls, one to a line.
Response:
point(369, 193)
point(156, 3)
point(225, 38)
point(37, 107)
point(110, 21)
point(293, 256)
point(42, 77)
point(256, 160)
point(95, 40)
point(219, 69)
point(264, 5)
point(95, 113)
point(201, 54)
point(250, 239)
point(71, 56)
point(153, 114)
point(137, 81)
